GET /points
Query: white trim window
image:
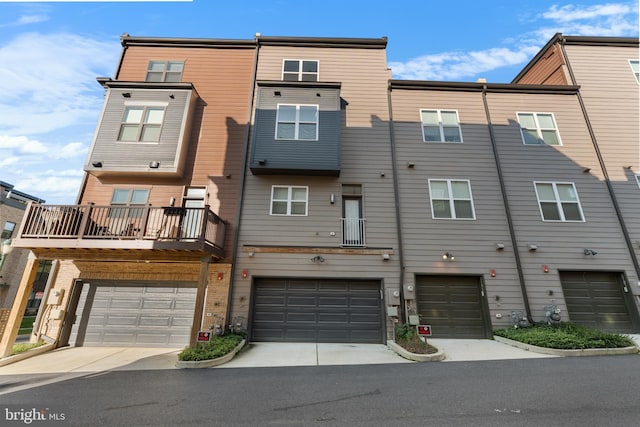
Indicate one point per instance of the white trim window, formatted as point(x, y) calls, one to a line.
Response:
point(297, 122)
point(558, 201)
point(289, 200)
point(638, 179)
point(300, 70)
point(165, 71)
point(635, 68)
point(141, 124)
point(134, 199)
point(451, 199)
point(440, 126)
point(539, 129)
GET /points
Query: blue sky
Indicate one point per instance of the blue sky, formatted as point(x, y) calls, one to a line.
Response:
point(52, 52)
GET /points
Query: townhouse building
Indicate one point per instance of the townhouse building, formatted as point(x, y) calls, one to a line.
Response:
point(318, 244)
point(146, 251)
point(12, 260)
point(290, 187)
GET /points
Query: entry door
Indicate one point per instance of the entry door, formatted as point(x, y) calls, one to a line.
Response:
point(192, 221)
point(353, 224)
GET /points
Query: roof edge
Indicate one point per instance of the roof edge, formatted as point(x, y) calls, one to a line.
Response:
point(363, 43)
point(128, 40)
point(480, 87)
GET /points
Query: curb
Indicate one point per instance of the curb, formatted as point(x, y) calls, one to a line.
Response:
point(190, 364)
point(559, 352)
point(435, 357)
point(27, 354)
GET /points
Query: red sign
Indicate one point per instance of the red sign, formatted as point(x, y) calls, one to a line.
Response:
point(204, 336)
point(424, 330)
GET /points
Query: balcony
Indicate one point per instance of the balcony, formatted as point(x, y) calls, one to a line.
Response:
point(54, 230)
point(353, 232)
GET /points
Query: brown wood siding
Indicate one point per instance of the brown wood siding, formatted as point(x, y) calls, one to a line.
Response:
point(365, 157)
point(560, 244)
point(549, 70)
point(473, 242)
point(223, 79)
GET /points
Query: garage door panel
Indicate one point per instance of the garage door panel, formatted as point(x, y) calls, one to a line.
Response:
point(297, 318)
point(328, 310)
point(336, 285)
point(121, 320)
point(154, 321)
point(339, 318)
point(135, 315)
point(596, 299)
point(452, 305)
point(124, 303)
point(297, 301)
point(334, 302)
point(156, 304)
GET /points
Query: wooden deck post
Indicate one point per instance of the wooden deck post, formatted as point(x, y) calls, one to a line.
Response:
point(199, 308)
point(19, 305)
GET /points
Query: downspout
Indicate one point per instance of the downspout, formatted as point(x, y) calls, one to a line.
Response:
point(507, 209)
point(396, 194)
point(607, 180)
point(243, 174)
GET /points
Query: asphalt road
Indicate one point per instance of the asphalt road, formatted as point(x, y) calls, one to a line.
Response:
point(588, 391)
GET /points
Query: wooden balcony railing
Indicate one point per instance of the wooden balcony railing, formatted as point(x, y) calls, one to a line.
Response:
point(122, 223)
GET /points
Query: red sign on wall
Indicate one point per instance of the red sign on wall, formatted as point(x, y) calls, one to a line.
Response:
point(204, 336)
point(424, 330)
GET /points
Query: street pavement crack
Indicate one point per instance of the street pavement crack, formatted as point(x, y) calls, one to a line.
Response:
point(322, 402)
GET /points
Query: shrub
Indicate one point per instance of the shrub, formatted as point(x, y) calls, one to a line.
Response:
point(565, 336)
point(21, 348)
point(407, 337)
point(217, 347)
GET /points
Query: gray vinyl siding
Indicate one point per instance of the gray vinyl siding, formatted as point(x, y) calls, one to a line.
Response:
point(611, 95)
point(560, 244)
point(365, 159)
point(297, 156)
point(135, 156)
point(473, 242)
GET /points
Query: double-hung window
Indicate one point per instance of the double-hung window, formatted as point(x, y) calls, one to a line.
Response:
point(300, 70)
point(558, 201)
point(635, 68)
point(133, 199)
point(141, 124)
point(165, 71)
point(451, 199)
point(440, 126)
point(289, 200)
point(539, 129)
point(298, 122)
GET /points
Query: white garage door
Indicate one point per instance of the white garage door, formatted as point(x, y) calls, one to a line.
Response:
point(134, 315)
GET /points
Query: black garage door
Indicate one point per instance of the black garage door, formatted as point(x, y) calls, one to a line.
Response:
point(453, 306)
point(307, 310)
point(134, 314)
point(598, 299)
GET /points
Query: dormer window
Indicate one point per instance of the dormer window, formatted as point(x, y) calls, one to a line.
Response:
point(165, 71)
point(300, 70)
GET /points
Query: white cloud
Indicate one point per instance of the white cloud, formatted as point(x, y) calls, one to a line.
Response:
point(48, 81)
point(55, 186)
point(612, 19)
point(26, 20)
